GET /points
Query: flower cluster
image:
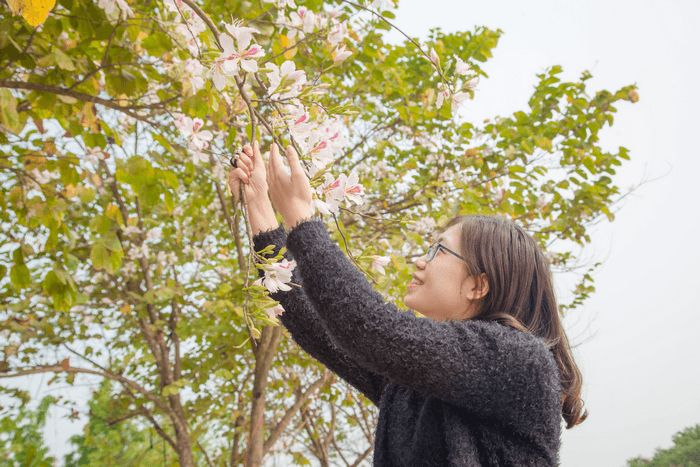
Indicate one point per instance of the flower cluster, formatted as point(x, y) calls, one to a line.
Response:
point(277, 276)
point(337, 190)
point(192, 26)
point(197, 140)
point(238, 53)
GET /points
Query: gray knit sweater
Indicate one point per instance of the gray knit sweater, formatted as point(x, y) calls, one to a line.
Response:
point(467, 393)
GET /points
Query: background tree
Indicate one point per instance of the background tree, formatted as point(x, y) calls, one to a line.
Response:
point(21, 440)
point(684, 452)
point(123, 257)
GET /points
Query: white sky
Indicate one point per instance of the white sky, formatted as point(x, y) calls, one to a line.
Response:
point(639, 349)
point(639, 352)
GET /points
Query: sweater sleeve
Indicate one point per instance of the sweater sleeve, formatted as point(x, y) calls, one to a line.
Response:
point(489, 369)
point(307, 330)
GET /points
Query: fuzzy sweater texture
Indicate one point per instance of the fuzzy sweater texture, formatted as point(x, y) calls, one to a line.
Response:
point(460, 394)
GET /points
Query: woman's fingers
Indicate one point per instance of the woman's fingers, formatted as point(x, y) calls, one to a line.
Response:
point(293, 161)
point(276, 165)
point(257, 157)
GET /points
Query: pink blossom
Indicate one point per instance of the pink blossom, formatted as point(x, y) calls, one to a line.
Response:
point(378, 262)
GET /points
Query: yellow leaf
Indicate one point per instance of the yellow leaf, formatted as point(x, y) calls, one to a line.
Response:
point(287, 42)
point(88, 118)
point(71, 191)
point(34, 11)
point(126, 309)
point(112, 210)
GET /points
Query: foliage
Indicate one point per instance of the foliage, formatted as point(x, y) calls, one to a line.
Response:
point(684, 452)
point(107, 440)
point(21, 440)
point(123, 257)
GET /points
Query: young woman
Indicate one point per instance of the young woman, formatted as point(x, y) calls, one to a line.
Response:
point(485, 381)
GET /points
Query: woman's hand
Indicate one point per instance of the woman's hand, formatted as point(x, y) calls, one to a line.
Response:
point(290, 193)
point(251, 170)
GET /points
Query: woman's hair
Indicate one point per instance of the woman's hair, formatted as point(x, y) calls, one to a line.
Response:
point(520, 294)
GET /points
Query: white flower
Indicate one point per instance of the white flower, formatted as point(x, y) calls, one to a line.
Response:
point(323, 207)
point(193, 72)
point(235, 55)
point(131, 230)
point(45, 177)
point(277, 275)
point(424, 225)
point(190, 128)
point(303, 21)
point(154, 234)
point(274, 311)
point(378, 262)
point(282, 3)
point(178, 211)
point(129, 269)
point(352, 190)
point(198, 253)
point(462, 67)
point(198, 156)
point(339, 55)
point(434, 57)
point(339, 31)
point(471, 84)
point(285, 81)
point(110, 5)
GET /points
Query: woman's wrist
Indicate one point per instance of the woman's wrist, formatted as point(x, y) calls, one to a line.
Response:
point(297, 217)
point(262, 216)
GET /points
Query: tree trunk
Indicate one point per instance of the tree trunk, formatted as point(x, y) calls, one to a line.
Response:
point(264, 356)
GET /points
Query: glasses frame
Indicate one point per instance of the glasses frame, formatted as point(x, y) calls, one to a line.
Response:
point(433, 251)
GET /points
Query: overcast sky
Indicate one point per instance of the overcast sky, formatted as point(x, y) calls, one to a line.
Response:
point(639, 348)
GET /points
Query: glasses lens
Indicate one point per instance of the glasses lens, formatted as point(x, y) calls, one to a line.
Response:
point(431, 252)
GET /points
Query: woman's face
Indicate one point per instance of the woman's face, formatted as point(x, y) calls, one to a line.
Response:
point(439, 289)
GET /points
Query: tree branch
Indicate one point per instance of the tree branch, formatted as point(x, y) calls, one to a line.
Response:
point(59, 91)
point(59, 369)
point(287, 417)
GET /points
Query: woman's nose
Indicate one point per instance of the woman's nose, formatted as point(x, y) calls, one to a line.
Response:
point(421, 262)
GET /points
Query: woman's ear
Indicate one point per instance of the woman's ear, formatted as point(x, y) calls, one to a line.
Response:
point(477, 287)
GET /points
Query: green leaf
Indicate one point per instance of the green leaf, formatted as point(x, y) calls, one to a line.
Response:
point(8, 111)
point(99, 256)
point(63, 61)
point(20, 276)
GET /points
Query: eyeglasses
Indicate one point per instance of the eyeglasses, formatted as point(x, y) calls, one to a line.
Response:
point(432, 251)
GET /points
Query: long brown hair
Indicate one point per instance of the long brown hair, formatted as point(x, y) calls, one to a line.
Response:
point(520, 294)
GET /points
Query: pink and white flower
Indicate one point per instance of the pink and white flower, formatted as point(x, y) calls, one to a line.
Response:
point(352, 190)
point(277, 276)
point(110, 5)
point(338, 33)
point(274, 311)
point(240, 54)
point(285, 81)
point(282, 3)
point(303, 21)
point(462, 67)
point(194, 71)
point(378, 262)
point(434, 57)
point(340, 54)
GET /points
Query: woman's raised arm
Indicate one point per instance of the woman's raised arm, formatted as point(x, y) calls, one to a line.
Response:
point(300, 319)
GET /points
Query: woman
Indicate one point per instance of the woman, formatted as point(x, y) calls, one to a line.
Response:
point(484, 382)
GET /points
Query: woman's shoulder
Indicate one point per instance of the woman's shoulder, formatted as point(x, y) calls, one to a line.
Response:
point(521, 348)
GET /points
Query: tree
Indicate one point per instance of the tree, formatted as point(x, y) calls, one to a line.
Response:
point(684, 452)
point(124, 258)
point(22, 443)
point(108, 440)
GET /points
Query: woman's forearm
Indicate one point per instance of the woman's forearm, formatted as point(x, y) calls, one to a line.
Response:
point(262, 216)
